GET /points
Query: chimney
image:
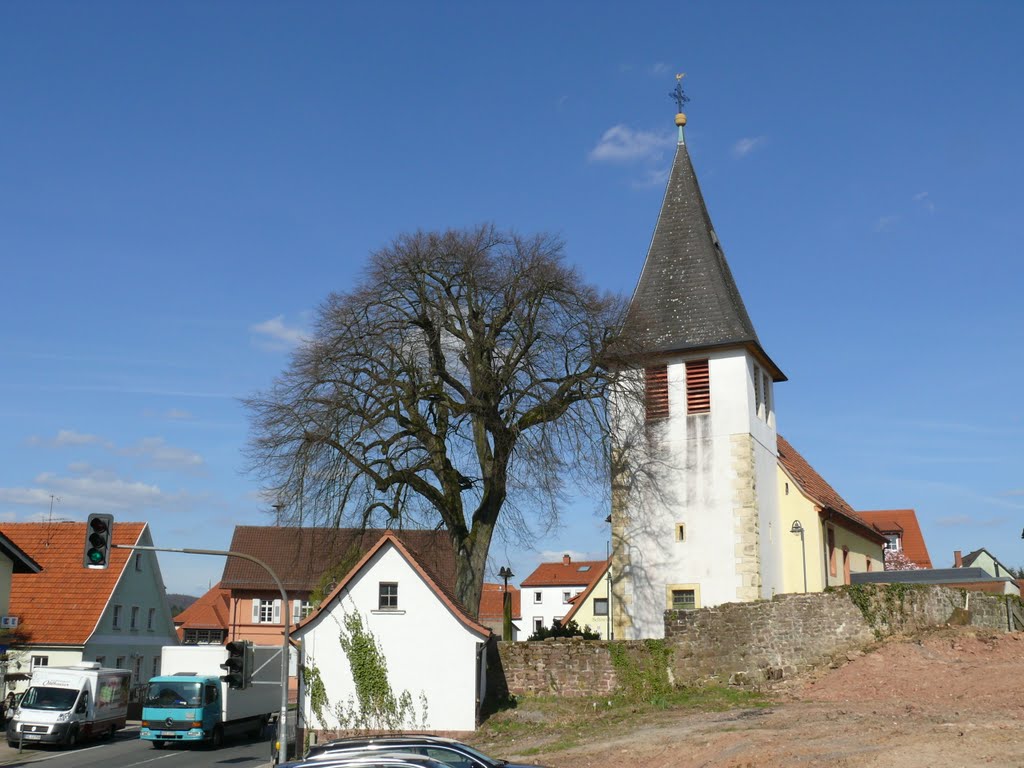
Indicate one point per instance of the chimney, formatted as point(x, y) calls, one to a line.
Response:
point(958, 559)
point(566, 559)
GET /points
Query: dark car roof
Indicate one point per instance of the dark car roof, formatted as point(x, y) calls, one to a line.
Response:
point(388, 760)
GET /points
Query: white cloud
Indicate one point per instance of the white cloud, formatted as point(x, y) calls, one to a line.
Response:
point(67, 438)
point(178, 414)
point(620, 143)
point(925, 200)
point(159, 454)
point(653, 177)
point(885, 223)
point(745, 146)
point(277, 335)
point(659, 68)
point(84, 493)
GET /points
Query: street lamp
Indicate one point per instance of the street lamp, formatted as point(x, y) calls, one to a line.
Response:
point(506, 604)
point(798, 527)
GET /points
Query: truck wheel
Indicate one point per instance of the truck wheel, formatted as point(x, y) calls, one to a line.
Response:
point(112, 733)
point(218, 737)
point(12, 744)
point(72, 739)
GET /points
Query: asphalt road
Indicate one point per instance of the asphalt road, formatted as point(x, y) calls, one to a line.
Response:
point(128, 751)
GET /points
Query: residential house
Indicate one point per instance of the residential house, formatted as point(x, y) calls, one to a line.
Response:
point(68, 614)
point(12, 560)
point(492, 608)
point(433, 647)
point(982, 558)
point(972, 579)
point(549, 590)
point(310, 562)
point(824, 541)
point(590, 607)
point(694, 409)
point(206, 621)
point(900, 528)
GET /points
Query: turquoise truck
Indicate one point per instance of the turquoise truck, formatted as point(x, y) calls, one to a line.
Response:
point(190, 704)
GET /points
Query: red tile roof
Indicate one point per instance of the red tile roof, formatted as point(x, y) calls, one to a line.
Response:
point(210, 611)
point(813, 485)
point(300, 556)
point(492, 603)
point(903, 522)
point(565, 573)
point(64, 602)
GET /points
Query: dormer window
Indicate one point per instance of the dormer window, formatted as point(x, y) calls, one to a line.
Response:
point(892, 542)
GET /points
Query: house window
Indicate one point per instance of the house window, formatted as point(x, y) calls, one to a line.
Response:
point(656, 392)
point(101, 660)
point(266, 611)
point(600, 606)
point(138, 562)
point(156, 666)
point(134, 621)
point(832, 551)
point(892, 542)
point(767, 395)
point(151, 619)
point(680, 532)
point(538, 623)
point(566, 596)
point(203, 637)
point(538, 597)
point(39, 661)
point(684, 599)
point(137, 671)
point(119, 662)
point(698, 387)
point(388, 596)
point(300, 610)
point(115, 619)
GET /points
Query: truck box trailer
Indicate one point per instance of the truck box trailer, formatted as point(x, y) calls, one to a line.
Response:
point(64, 705)
point(188, 702)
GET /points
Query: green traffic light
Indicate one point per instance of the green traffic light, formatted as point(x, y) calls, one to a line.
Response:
point(95, 556)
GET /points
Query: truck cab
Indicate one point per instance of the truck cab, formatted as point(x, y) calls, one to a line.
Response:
point(182, 708)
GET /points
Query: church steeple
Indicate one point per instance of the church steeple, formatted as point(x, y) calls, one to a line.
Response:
point(686, 298)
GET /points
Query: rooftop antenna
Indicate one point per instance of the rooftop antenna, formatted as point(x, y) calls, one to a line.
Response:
point(49, 518)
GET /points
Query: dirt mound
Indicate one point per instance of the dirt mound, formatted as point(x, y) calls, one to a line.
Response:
point(946, 699)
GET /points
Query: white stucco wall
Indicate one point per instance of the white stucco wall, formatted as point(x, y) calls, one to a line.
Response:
point(698, 486)
point(428, 649)
point(551, 606)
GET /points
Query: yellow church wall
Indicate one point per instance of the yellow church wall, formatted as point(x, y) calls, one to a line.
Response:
point(794, 505)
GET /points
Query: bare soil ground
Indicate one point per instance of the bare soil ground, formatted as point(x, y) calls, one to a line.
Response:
point(949, 698)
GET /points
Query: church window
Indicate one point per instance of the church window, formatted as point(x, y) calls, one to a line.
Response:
point(684, 599)
point(832, 551)
point(680, 532)
point(656, 392)
point(698, 387)
point(767, 394)
point(758, 392)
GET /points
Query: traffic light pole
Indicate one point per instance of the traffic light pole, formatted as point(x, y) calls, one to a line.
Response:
point(282, 726)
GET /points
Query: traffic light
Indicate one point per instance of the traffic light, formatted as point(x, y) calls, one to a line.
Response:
point(238, 664)
point(99, 535)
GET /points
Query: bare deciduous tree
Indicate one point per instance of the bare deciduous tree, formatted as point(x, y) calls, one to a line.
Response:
point(459, 381)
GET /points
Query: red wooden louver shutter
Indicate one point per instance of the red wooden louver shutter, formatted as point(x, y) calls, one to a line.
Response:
point(698, 387)
point(656, 392)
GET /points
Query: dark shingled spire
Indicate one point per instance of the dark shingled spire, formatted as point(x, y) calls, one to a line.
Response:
point(686, 298)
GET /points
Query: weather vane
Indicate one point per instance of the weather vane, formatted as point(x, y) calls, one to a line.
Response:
point(678, 95)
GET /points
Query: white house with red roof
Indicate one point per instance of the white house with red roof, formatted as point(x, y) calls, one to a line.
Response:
point(68, 614)
point(548, 592)
point(434, 649)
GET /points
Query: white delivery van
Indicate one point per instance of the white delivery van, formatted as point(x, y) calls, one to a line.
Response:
point(64, 705)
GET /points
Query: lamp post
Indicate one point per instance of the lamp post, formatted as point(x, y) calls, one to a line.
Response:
point(798, 527)
point(506, 604)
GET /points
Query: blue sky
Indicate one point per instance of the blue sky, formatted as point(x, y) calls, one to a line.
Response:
point(182, 184)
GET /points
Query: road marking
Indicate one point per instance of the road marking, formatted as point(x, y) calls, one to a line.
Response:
point(39, 757)
point(154, 759)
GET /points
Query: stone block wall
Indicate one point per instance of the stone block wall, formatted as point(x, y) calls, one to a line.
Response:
point(748, 644)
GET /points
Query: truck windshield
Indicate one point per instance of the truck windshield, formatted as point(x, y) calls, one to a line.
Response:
point(57, 699)
point(174, 694)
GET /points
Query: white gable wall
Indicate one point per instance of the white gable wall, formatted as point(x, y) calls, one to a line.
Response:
point(717, 478)
point(428, 649)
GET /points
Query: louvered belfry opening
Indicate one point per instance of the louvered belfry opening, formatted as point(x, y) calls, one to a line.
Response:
point(698, 387)
point(656, 392)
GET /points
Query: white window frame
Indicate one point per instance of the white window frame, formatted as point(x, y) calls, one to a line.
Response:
point(893, 542)
point(538, 597)
point(566, 596)
point(300, 610)
point(266, 611)
point(387, 596)
point(538, 623)
point(39, 661)
point(598, 602)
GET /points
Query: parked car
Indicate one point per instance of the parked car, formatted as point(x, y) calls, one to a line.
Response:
point(364, 760)
point(454, 754)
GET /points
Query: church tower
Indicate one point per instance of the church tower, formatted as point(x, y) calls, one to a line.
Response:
point(695, 520)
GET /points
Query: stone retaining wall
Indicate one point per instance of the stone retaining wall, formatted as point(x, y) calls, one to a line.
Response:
point(747, 643)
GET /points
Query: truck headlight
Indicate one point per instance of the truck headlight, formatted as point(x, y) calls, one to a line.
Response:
point(63, 717)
